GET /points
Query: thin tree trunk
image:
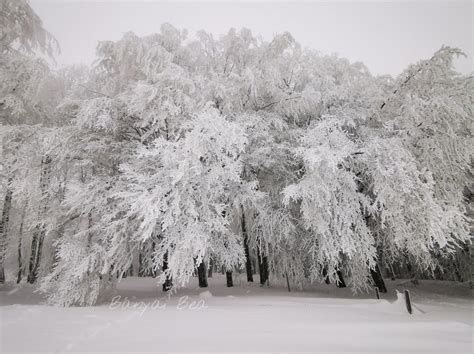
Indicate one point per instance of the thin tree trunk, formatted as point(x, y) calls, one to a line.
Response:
point(168, 284)
point(287, 282)
point(378, 279)
point(39, 234)
point(140, 263)
point(228, 276)
point(263, 268)
point(20, 237)
point(7, 203)
point(60, 232)
point(211, 265)
point(153, 269)
point(20, 265)
point(248, 262)
point(202, 275)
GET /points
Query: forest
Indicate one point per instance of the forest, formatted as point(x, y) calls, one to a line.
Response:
point(177, 155)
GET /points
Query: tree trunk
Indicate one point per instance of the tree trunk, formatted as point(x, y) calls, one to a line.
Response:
point(202, 275)
point(168, 284)
point(340, 282)
point(248, 262)
point(228, 276)
point(35, 258)
point(20, 237)
point(325, 275)
point(7, 204)
point(287, 282)
point(153, 269)
point(20, 264)
point(378, 279)
point(211, 265)
point(263, 268)
point(140, 263)
point(39, 233)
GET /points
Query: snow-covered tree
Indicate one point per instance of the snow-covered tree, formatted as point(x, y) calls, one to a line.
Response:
point(154, 154)
point(331, 205)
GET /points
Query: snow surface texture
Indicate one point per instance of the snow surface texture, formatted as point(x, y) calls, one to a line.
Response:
point(243, 318)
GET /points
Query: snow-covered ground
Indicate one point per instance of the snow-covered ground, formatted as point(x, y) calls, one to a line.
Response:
point(243, 318)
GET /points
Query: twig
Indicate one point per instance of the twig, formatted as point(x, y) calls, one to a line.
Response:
point(275, 102)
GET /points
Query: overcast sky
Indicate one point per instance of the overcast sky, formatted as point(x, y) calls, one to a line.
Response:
point(386, 36)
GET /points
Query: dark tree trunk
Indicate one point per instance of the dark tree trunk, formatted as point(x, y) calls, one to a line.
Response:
point(153, 269)
point(20, 237)
point(35, 258)
point(39, 233)
point(325, 275)
point(248, 262)
point(168, 284)
point(20, 264)
point(211, 265)
point(228, 276)
point(287, 282)
point(263, 268)
point(378, 279)
point(7, 203)
point(340, 282)
point(140, 264)
point(202, 275)
point(60, 233)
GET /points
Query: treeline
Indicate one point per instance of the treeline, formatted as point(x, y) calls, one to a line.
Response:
point(173, 156)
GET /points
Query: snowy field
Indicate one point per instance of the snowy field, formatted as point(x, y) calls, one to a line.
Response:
point(242, 318)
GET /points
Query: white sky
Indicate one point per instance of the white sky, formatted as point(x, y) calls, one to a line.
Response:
point(386, 36)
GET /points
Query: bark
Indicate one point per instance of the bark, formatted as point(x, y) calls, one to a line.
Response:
point(248, 262)
point(340, 282)
point(228, 276)
point(325, 275)
point(7, 204)
point(35, 258)
point(378, 279)
point(20, 264)
point(153, 269)
point(211, 265)
point(168, 284)
point(408, 301)
point(263, 268)
point(202, 275)
point(20, 257)
point(140, 264)
point(60, 233)
point(39, 233)
point(287, 282)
